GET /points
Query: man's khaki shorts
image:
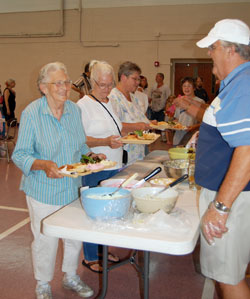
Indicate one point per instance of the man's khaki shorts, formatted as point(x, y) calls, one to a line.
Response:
point(227, 260)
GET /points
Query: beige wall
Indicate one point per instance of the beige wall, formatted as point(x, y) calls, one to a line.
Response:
point(139, 34)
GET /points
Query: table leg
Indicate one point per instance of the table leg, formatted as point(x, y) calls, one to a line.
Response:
point(105, 272)
point(146, 274)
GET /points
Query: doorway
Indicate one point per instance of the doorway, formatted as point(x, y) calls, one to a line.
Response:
point(192, 68)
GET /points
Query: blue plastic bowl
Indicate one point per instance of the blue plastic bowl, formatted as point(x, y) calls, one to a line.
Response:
point(105, 209)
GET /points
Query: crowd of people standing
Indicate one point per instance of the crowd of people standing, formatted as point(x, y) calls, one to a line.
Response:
point(103, 114)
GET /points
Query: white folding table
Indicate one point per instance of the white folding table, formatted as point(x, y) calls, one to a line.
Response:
point(71, 222)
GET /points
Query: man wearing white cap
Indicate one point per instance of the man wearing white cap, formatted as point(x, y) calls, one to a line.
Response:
point(223, 162)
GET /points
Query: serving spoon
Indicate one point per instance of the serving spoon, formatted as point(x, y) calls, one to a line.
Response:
point(125, 183)
point(147, 177)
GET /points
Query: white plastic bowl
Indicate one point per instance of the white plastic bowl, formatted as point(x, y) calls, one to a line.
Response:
point(146, 202)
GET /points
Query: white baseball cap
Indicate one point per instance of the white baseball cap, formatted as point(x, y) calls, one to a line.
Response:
point(230, 30)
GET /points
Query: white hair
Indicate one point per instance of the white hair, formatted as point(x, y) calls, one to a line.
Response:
point(98, 68)
point(46, 69)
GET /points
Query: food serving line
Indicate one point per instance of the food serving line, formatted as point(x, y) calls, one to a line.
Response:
point(72, 222)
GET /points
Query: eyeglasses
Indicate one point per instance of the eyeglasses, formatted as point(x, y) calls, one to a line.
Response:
point(103, 86)
point(60, 83)
point(137, 79)
point(212, 47)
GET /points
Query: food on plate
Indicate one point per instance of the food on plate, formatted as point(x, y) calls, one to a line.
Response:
point(95, 167)
point(67, 170)
point(170, 124)
point(108, 163)
point(179, 126)
point(147, 136)
point(74, 169)
point(130, 137)
point(86, 166)
point(138, 133)
point(141, 135)
point(90, 160)
point(162, 123)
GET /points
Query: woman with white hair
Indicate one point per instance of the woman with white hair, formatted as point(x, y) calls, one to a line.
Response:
point(9, 100)
point(103, 130)
point(51, 135)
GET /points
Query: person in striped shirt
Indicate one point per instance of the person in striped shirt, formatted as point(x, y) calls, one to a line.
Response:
point(51, 135)
point(223, 162)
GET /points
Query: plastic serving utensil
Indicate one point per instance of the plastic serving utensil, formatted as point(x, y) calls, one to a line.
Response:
point(179, 180)
point(125, 183)
point(149, 176)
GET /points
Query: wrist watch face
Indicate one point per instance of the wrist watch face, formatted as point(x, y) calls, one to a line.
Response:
point(220, 206)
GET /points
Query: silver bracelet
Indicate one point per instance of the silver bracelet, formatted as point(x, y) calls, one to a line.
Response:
point(221, 207)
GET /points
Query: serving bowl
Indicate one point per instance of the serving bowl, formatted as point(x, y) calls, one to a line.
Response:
point(99, 205)
point(146, 202)
point(161, 182)
point(181, 153)
point(176, 168)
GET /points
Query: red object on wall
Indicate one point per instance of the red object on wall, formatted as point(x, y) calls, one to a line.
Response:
point(156, 63)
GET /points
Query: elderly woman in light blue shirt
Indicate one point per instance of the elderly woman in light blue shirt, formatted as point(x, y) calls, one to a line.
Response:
point(51, 135)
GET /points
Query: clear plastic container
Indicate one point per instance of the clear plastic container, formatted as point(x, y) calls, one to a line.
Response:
point(191, 169)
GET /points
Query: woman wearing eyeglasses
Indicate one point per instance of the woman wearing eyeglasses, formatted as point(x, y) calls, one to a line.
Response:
point(127, 107)
point(103, 130)
point(101, 125)
point(51, 135)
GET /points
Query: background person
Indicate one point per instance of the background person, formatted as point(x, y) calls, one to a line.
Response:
point(194, 108)
point(223, 162)
point(200, 91)
point(143, 85)
point(142, 100)
point(82, 85)
point(102, 128)
point(51, 135)
point(182, 115)
point(1, 100)
point(9, 100)
point(158, 97)
point(169, 115)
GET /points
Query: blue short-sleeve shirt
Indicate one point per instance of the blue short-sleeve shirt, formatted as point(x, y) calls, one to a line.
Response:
point(225, 126)
point(42, 136)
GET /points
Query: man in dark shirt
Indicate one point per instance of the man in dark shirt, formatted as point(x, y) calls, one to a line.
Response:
point(200, 92)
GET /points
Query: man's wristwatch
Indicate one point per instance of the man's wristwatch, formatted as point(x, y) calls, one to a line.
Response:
point(221, 207)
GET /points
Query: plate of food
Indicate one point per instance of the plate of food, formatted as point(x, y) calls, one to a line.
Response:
point(161, 125)
point(86, 166)
point(168, 125)
point(140, 137)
